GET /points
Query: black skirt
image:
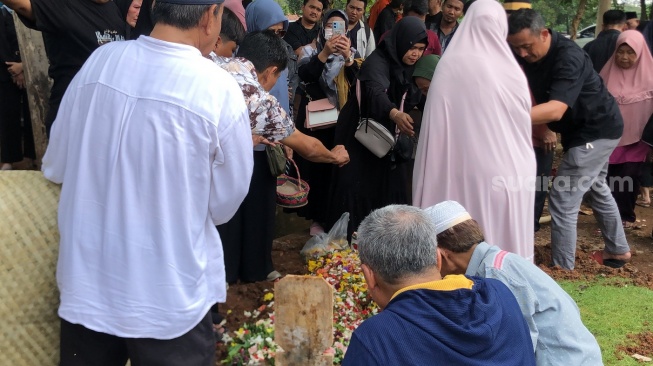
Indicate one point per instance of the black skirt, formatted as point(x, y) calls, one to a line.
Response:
point(367, 182)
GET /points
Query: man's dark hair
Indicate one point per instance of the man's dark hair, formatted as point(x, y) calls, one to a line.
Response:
point(462, 237)
point(364, 4)
point(419, 7)
point(264, 49)
point(614, 17)
point(232, 29)
point(525, 19)
point(396, 4)
point(179, 16)
point(462, 1)
point(467, 5)
point(326, 5)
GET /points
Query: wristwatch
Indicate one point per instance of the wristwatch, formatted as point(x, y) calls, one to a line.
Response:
point(350, 59)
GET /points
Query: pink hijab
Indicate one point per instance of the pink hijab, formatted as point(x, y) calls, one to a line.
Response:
point(237, 7)
point(632, 88)
point(475, 143)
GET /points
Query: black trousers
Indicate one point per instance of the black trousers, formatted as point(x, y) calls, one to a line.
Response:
point(544, 163)
point(16, 138)
point(623, 180)
point(81, 346)
point(247, 237)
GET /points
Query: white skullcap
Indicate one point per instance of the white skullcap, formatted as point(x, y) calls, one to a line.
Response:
point(446, 215)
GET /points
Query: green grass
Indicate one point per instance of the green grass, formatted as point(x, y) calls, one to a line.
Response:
point(611, 312)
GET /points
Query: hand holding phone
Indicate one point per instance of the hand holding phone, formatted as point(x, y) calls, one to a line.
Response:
point(338, 27)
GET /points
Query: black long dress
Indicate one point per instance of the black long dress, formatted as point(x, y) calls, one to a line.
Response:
point(368, 182)
point(318, 175)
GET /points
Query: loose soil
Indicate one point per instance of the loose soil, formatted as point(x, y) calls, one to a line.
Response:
point(639, 344)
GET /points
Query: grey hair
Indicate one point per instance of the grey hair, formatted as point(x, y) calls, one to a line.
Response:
point(180, 16)
point(397, 241)
point(525, 19)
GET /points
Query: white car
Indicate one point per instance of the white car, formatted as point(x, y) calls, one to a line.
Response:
point(585, 35)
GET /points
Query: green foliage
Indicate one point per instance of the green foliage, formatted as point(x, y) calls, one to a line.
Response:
point(559, 14)
point(610, 313)
point(295, 6)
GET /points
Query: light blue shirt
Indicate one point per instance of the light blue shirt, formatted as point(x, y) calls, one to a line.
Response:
point(557, 331)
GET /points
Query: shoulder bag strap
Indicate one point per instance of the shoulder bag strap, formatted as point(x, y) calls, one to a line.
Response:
point(360, 112)
point(401, 109)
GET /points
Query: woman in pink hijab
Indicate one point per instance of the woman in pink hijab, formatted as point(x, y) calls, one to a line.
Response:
point(475, 144)
point(629, 78)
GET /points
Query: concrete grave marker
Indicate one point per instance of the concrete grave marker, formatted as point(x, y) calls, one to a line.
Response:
point(303, 321)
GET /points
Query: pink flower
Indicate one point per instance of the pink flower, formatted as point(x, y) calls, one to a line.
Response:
point(252, 350)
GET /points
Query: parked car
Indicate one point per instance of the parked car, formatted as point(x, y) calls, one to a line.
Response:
point(585, 35)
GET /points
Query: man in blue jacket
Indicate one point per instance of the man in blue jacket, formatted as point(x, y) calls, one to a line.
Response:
point(427, 319)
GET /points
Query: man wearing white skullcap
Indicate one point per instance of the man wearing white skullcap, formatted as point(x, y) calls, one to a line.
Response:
point(557, 331)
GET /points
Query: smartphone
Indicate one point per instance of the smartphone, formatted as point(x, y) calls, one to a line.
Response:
point(338, 27)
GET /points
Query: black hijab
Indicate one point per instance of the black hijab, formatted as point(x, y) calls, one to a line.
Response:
point(385, 65)
point(321, 40)
point(144, 23)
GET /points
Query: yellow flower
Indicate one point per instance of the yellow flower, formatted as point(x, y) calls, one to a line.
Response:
point(269, 296)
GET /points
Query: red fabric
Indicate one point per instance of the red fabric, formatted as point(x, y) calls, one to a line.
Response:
point(433, 47)
point(375, 10)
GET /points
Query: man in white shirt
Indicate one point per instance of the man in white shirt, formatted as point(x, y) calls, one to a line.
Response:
point(152, 155)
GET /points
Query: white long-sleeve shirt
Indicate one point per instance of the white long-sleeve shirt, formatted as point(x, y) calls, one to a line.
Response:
point(153, 146)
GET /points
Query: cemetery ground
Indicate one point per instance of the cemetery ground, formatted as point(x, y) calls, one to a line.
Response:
point(616, 305)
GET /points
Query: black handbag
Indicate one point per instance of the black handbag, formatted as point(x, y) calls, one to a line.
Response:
point(403, 149)
point(647, 134)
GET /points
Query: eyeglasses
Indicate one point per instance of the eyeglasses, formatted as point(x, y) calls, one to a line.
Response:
point(279, 32)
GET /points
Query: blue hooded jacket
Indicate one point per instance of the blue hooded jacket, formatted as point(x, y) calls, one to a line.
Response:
point(478, 327)
point(260, 15)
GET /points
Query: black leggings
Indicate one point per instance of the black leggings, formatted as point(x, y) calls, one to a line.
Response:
point(623, 180)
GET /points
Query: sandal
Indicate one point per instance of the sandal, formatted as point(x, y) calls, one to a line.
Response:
point(608, 262)
point(643, 204)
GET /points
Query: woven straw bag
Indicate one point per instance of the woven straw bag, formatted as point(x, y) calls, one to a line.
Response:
point(292, 192)
point(29, 246)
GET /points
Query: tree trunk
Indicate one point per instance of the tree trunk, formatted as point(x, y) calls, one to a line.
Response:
point(604, 5)
point(642, 11)
point(35, 67)
point(577, 18)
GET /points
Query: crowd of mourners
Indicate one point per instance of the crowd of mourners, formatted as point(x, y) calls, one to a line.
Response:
point(170, 129)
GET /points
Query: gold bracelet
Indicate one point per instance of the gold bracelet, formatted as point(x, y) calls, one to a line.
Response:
point(395, 115)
